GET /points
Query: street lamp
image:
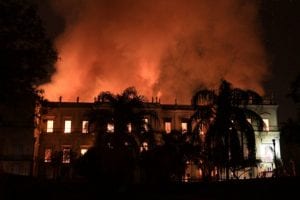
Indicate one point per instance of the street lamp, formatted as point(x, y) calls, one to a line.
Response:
point(273, 140)
point(274, 152)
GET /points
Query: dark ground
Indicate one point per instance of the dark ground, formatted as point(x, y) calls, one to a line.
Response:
point(18, 187)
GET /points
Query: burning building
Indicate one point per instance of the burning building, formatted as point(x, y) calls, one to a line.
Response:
point(63, 134)
point(164, 48)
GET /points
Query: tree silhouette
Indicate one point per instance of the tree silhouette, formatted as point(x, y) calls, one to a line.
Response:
point(221, 120)
point(289, 134)
point(121, 131)
point(295, 90)
point(27, 59)
point(290, 146)
point(26, 53)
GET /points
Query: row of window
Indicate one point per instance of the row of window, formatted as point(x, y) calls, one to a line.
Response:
point(110, 126)
point(65, 157)
point(68, 126)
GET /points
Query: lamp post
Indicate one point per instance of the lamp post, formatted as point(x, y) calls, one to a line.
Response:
point(274, 152)
point(273, 140)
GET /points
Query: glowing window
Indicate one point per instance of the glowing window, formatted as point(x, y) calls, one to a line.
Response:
point(83, 151)
point(146, 120)
point(68, 124)
point(184, 126)
point(249, 120)
point(48, 154)
point(129, 127)
point(146, 125)
point(266, 125)
point(168, 127)
point(144, 146)
point(50, 124)
point(66, 155)
point(110, 127)
point(85, 127)
point(202, 129)
point(266, 152)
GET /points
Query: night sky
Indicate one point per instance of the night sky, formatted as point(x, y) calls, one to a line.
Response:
point(279, 28)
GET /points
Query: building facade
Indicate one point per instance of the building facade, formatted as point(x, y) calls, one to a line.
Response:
point(16, 139)
point(63, 134)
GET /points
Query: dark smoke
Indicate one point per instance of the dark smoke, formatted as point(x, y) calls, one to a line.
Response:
point(166, 48)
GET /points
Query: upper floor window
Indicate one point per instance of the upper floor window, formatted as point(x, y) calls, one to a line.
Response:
point(266, 125)
point(202, 129)
point(146, 124)
point(110, 127)
point(168, 127)
point(68, 124)
point(50, 124)
point(48, 154)
point(129, 127)
point(249, 120)
point(85, 126)
point(144, 147)
point(83, 151)
point(184, 127)
point(146, 120)
point(66, 158)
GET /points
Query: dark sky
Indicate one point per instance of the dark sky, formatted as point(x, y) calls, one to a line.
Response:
point(281, 25)
point(280, 22)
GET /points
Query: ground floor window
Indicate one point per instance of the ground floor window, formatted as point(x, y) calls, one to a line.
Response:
point(66, 155)
point(48, 155)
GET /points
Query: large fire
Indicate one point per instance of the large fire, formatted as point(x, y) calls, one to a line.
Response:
point(167, 48)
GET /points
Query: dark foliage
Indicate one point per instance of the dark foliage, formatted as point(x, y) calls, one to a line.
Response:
point(295, 90)
point(27, 55)
point(290, 147)
point(221, 118)
point(115, 156)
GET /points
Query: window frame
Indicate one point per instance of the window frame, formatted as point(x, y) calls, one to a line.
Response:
point(85, 127)
point(64, 159)
point(48, 155)
point(67, 127)
point(110, 127)
point(168, 126)
point(183, 131)
point(266, 124)
point(49, 129)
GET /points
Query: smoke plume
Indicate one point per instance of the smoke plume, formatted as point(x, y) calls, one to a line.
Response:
point(164, 48)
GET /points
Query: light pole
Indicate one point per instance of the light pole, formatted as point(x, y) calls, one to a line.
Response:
point(273, 140)
point(274, 152)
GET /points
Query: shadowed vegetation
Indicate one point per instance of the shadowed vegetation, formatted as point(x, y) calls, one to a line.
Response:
point(222, 131)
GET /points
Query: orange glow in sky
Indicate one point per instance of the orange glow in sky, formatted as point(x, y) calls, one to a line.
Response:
point(163, 48)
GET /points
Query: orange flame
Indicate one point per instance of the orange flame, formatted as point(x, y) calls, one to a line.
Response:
point(163, 48)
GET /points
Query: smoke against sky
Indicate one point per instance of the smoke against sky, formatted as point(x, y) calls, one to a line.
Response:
point(165, 48)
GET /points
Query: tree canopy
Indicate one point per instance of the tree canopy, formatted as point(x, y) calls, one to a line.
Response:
point(221, 117)
point(27, 55)
point(295, 90)
point(122, 133)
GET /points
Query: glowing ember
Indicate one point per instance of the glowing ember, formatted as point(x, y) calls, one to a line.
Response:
point(164, 48)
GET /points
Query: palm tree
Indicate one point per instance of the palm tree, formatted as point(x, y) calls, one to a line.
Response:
point(128, 116)
point(120, 123)
point(221, 119)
